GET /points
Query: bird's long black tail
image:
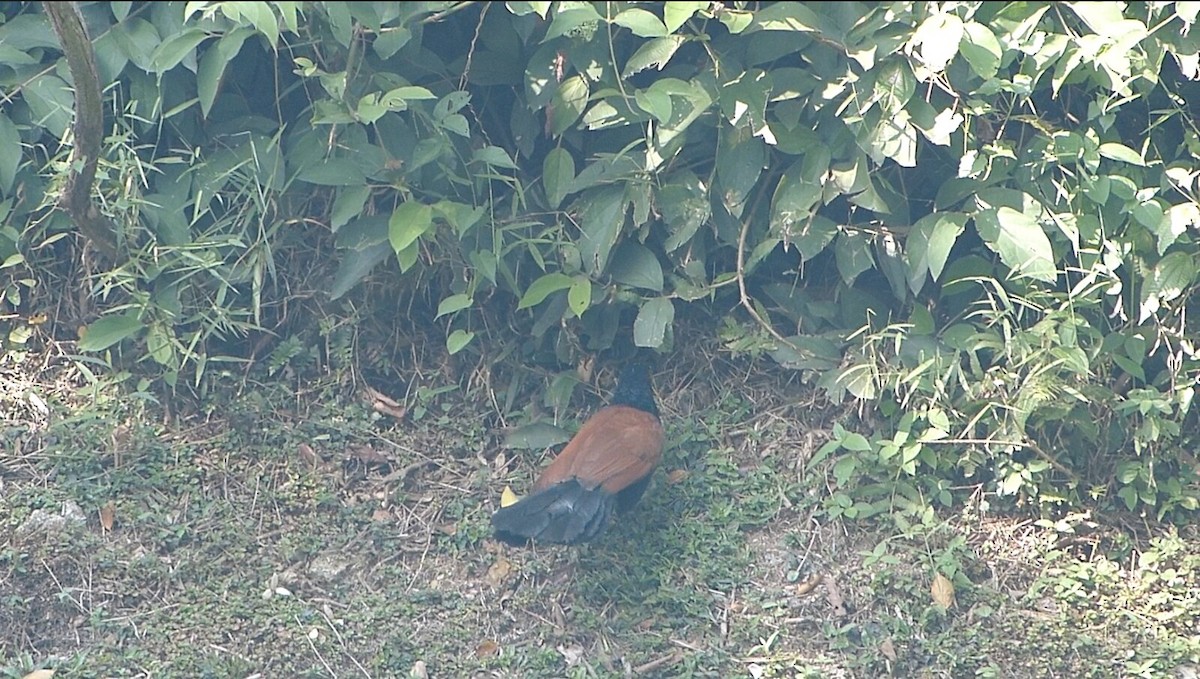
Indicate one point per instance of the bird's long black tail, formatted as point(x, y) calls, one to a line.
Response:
point(565, 513)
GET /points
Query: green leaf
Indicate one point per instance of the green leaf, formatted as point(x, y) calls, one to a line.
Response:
point(785, 16)
point(739, 165)
point(390, 40)
point(458, 340)
point(981, 49)
point(536, 436)
point(109, 330)
point(355, 266)
point(407, 257)
point(735, 20)
point(558, 171)
point(814, 236)
point(793, 203)
point(650, 327)
point(1122, 153)
point(580, 16)
point(570, 99)
point(676, 14)
point(348, 205)
point(10, 154)
point(259, 14)
point(456, 123)
point(175, 49)
point(603, 216)
point(1019, 240)
point(159, 344)
point(333, 172)
point(1171, 276)
point(397, 99)
point(409, 221)
point(894, 85)
point(579, 295)
point(1177, 220)
point(213, 63)
point(494, 156)
point(929, 244)
point(853, 253)
point(937, 40)
point(633, 264)
point(656, 103)
point(643, 24)
point(453, 303)
point(51, 102)
point(683, 203)
point(543, 287)
point(656, 52)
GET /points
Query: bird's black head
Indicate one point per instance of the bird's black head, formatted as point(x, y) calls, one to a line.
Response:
point(634, 390)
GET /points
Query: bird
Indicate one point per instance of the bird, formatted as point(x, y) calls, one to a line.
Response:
point(606, 466)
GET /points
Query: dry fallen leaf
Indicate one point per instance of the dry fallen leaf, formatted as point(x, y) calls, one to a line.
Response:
point(508, 497)
point(307, 455)
point(381, 515)
point(809, 584)
point(834, 596)
point(676, 475)
point(39, 674)
point(571, 654)
point(486, 649)
point(366, 454)
point(384, 404)
point(499, 571)
point(107, 513)
point(888, 649)
point(942, 591)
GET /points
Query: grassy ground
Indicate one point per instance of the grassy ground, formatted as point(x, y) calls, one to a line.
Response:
point(291, 529)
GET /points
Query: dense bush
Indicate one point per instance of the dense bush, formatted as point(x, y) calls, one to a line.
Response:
point(981, 217)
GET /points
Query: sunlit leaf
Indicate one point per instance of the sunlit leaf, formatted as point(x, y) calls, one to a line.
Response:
point(1019, 240)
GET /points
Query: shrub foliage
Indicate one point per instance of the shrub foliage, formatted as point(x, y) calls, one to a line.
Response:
point(980, 217)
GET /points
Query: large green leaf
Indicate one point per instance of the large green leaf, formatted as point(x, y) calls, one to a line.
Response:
point(570, 99)
point(52, 103)
point(813, 236)
point(543, 287)
point(929, 244)
point(644, 24)
point(656, 53)
point(109, 330)
point(178, 49)
point(740, 163)
point(601, 222)
point(633, 264)
point(1171, 276)
point(653, 319)
point(213, 63)
point(333, 172)
point(683, 203)
point(1019, 240)
point(981, 49)
point(793, 203)
point(355, 266)
point(10, 154)
point(410, 220)
point(558, 172)
point(937, 40)
point(853, 253)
